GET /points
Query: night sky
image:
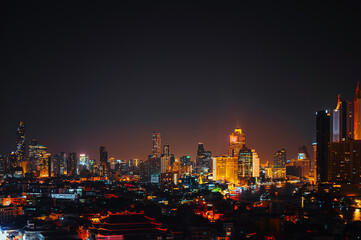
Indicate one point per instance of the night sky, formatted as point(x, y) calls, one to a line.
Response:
point(85, 74)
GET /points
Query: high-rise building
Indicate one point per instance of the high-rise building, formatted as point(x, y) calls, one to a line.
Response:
point(203, 160)
point(225, 168)
point(357, 113)
point(279, 159)
point(342, 121)
point(59, 164)
point(255, 164)
point(322, 140)
point(83, 163)
point(237, 141)
point(20, 144)
point(144, 171)
point(185, 161)
point(154, 166)
point(39, 160)
point(165, 159)
point(248, 164)
point(104, 164)
point(345, 162)
point(346, 121)
point(314, 146)
point(72, 164)
point(336, 122)
point(157, 144)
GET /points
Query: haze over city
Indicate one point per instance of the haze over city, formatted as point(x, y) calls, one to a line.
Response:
point(86, 74)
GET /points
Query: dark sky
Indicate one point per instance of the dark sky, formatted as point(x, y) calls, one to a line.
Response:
point(83, 74)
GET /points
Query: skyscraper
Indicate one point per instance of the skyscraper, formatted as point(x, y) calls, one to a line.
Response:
point(237, 141)
point(157, 143)
point(84, 163)
point(104, 164)
point(165, 159)
point(357, 113)
point(346, 121)
point(72, 163)
point(345, 162)
point(248, 164)
point(203, 159)
point(336, 122)
point(225, 168)
point(20, 144)
point(59, 164)
point(39, 160)
point(342, 121)
point(322, 140)
point(279, 159)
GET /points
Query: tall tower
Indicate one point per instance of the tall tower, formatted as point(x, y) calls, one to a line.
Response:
point(237, 141)
point(322, 140)
point(342, 121)
point(103, 161)
point(346, 121)
point(20, 144)
point(166, 150)
point(157, 143)
point(336, 122)
point(72, 163)
point(357, 113)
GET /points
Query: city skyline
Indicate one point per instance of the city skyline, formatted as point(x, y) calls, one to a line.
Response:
point(189, 73)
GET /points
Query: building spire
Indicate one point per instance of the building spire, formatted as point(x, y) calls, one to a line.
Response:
point(358, 93)
point(338, 102)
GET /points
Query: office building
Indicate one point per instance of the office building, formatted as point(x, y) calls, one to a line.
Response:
point(248, 164)
point(203, 160)
point(279, 159)
point(225, 168)
point(357, 113)
point(72, 164)
point(39, 160)
point(20, 145)
point(59, 164)
point(156, 144)
point(104, 163)
point(237, 141)
point(345, 162)
point(342, 121)
point(322, 140)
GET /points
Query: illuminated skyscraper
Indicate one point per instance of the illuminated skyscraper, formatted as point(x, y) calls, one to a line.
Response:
point(39, 160)
point(104, 164)
point(83, 163)
point(336, 131)
point(322, 140)
point(345, 162)
point(20, 144)
point(59, 164)
point(225, 169)
point(255, 164)
point(346, 121)
point(157, 143)
point(342, 121)
point(237, 141)
point(357, 113)
point(279, 159)
point(248, 164)
point(203, 160)
point(72, 164)
point(165, 159)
